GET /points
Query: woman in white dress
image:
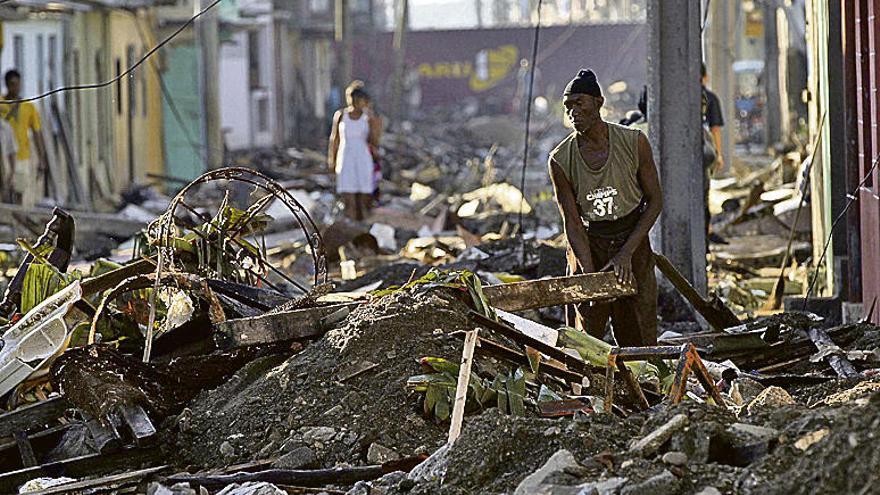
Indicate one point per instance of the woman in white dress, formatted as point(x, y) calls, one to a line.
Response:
point(355, 129)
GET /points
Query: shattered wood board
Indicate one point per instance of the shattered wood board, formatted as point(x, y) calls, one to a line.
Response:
point(277, 327)
point(32, 417)
point(80, 467)
point(556, 291)
point(86, 222)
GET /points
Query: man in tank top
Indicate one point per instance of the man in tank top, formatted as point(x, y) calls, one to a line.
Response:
point(608, 193)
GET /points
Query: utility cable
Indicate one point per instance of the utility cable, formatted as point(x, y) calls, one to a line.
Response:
point(522, 182)
point(852, 199)
point(128, 71)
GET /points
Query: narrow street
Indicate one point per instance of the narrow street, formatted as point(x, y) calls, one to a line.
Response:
point(388, 247)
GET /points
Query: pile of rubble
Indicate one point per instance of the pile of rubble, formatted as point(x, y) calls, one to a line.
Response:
point(210, 352)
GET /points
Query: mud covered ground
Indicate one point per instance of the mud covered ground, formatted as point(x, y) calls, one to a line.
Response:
point(758, 453)
point(276, 405)
point(342, 401)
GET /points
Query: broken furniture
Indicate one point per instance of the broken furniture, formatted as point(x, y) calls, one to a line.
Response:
point(689, 361)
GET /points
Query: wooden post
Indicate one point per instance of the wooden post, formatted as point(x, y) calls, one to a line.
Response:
point(464, 377)
point(401, 19)
point(343, 36)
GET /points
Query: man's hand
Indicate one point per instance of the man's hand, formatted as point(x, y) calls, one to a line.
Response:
point(622, 266)
point(719, 165)
point(331, 162)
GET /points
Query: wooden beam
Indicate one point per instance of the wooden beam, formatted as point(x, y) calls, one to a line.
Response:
point(277, 327)
point(488, 347)
point(573, 363)
point(714, 311)
point(86, 222)
point(28, 458)
point(106, 483)
point(79, 467)
point(32, 417)
point(557, 291)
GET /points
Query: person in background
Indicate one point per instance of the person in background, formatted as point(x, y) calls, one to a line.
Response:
point(713, 121)
point(355, 129)
point(712, 118)
point(25, 121)
point(8, 151)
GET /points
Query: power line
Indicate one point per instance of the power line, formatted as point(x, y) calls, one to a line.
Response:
point(128, 71)
point(852, 199)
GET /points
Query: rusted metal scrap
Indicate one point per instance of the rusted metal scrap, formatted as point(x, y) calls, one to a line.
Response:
point(164, 230)
point(689, 361)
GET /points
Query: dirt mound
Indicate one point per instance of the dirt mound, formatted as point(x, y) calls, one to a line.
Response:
point(843, 459)
point(337, 397)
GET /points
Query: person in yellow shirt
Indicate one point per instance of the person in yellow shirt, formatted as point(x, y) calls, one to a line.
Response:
point(25, 120)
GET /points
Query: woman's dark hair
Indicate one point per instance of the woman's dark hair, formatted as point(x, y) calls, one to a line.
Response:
point(356, 91)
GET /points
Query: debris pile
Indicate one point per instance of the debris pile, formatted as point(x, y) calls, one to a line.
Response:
point(212, 352)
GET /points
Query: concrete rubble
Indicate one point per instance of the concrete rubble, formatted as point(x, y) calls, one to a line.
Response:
point(288, 349)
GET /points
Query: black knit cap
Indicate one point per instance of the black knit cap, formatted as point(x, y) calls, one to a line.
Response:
point(584, 83)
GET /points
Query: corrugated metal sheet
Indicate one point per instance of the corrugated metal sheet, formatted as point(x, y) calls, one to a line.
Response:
point(868, 112)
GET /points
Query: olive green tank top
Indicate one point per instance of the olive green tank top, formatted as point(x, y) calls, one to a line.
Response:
point(611, 192)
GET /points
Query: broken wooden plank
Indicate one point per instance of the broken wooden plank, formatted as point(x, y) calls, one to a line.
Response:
point(32, 417)
point(277, 327)
point(714, 311)
point(491, 348)
point(110, 224)
point(25, 449)
point(464, 377)
point(308, 478)
point(80, 467)
point(107, 483)
point(564, 407)
point(106, 437)
point(575, 364)
point(557, 291)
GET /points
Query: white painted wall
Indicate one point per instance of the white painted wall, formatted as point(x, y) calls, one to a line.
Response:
point(235, 106)
point(34, 56)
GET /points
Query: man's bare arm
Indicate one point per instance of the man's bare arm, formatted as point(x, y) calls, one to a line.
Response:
point(571, 220)
point(649, 181)
point(716, 139)
point(41, 150)
point(375, 123)
point(333, 145)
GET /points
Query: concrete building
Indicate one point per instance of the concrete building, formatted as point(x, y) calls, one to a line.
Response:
point(99, 141)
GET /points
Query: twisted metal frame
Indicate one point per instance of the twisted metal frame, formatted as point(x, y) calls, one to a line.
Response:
point(163, 228)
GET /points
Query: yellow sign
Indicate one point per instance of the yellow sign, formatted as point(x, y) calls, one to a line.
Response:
point(489, 68)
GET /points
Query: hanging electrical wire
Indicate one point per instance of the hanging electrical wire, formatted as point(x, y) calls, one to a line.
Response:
point(128, 71)
point(853, 197)
point(522, 181)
